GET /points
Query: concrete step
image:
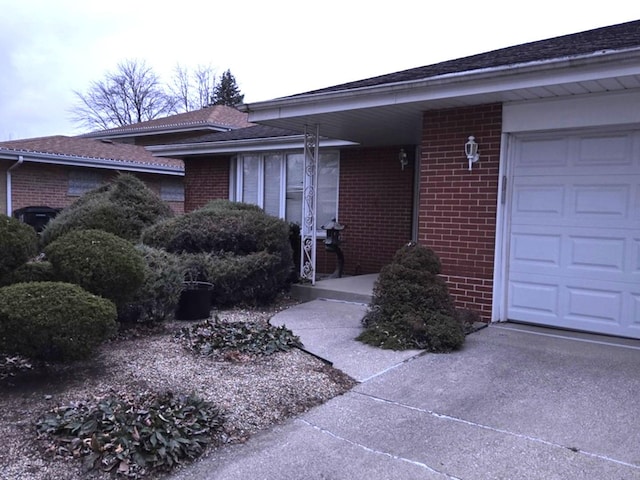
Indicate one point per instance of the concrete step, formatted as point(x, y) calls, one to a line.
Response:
point(356, 289)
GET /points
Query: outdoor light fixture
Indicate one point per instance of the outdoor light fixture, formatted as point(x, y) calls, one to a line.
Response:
point(471, 149)
point(404, 161)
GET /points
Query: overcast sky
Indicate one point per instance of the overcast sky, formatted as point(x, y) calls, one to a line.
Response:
point(274, 48)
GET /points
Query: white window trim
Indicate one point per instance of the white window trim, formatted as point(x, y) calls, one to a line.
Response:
point(237, 172)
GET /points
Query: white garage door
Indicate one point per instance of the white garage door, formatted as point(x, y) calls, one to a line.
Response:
point(574, 250)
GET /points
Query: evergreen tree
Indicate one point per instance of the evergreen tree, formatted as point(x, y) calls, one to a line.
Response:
point(226, 91)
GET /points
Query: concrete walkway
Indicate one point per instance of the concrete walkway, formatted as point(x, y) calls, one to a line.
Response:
point(514, 403)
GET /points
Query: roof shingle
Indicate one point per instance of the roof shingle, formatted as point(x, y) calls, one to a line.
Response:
point(220, 116)
point(89, 149)
point(616, 37)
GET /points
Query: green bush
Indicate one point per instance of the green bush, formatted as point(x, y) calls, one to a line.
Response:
point(252, 279)
point(35, 271)
point(158, 296)
point(411, 306)
point(221, 227)
point(417, 257)
point(18, 243)
point(123, 207)
point(99, 262)
point(53, 321)
point(244, 252)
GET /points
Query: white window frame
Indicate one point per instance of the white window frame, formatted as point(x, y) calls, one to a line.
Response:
point(237, 179)
point(172, 190)
point(83, 181)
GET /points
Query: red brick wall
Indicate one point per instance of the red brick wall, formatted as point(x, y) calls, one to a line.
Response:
point(206, 178)
point(457, 208)
point(34, 184)
point(375, 204)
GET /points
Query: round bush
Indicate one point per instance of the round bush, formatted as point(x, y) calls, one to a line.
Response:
point(221, 227)
point(53, 321)
point(400, 289)
point(123, 207)
point(411, 306)
point(18, 243)
point(252, 279)
point(99, 262)
point(158, 296)
point(244, 252)
point(417, 257)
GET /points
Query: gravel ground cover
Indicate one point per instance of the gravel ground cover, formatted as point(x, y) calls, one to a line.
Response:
point(252, 392)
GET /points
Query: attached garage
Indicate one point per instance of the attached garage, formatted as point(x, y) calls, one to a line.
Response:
point(573, 222)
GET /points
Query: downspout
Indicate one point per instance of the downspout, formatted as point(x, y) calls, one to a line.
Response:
point(9, 195)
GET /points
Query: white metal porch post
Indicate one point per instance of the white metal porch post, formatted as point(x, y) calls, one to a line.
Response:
point(309, 201)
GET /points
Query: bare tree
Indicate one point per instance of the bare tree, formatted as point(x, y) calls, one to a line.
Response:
point(192, 89)
point(131, 94)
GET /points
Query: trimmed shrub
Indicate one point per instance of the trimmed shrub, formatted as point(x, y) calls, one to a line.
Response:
point(53, 321)
point(123, 207)
point(221, 227)
point(252, 279)
point(36, 271)
point(158, 296)
point(416, 257)
point(99, 262)
point(18, 243)
point(244, 252)
point(411, 306)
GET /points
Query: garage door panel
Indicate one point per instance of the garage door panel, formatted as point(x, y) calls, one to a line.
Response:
point(601, 200)
point(574, 232)
point(533, 299)
point(585, 304)
point(535, 250)
point(597, 255)
point(608, 151)
point(539, 200)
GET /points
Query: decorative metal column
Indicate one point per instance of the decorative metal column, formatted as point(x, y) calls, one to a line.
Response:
point(309, 202)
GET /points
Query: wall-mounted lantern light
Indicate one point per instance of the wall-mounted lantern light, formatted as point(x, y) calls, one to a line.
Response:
point(404, 160)
point(471, 150)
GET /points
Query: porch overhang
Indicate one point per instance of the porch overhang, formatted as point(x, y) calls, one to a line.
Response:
point(233, 147)
point(391, 114)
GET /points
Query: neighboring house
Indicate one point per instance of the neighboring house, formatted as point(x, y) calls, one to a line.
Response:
point(543, 228)
point(55, 171)
point(214, 118)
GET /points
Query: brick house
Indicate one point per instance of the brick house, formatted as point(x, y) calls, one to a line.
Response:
point(543, 228)
point(54, 171)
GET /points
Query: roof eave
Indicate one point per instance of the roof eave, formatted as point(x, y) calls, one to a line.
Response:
point(474, 82)
point(157, 131)
point(231, 147)
point(89, 162)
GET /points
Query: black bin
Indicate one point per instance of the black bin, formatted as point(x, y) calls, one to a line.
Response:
point(195, 301)
point(37, 217)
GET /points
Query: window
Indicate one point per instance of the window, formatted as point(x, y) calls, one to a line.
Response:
point(274, 181)
point(172, 190)
point(81, 181)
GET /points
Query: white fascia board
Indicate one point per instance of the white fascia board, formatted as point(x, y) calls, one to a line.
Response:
point(156, 131)
point(241, 146)
point(86, 162)
point(462, 84)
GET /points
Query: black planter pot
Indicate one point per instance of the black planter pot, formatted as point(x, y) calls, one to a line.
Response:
point(195, 301)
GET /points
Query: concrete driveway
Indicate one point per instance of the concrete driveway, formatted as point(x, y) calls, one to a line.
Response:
point(514, 403)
